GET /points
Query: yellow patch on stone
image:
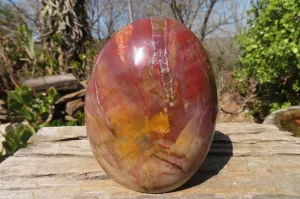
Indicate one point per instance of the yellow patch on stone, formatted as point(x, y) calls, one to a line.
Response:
point(158, 123)
point(130, 125)
point(126, 123)
point(126, 148)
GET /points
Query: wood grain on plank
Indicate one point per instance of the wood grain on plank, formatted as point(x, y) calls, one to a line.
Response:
point(245, 161)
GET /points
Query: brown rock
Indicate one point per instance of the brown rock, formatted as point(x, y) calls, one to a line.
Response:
point(74, 106)
point(241, 117)
point(3, 111)
point(3, 117)
point(230, 107)
point(71, 96)
point(287, 117)
point(283, 115)
point(223, 117)
point(244, 117)
point(297, 114)
point(69, 118)
point(83, 84)
point(225, 97)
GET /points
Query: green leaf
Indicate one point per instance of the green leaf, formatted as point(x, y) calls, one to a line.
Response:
point(15, 101)
point(17, 138)
point(26, 93)
point(31, 42)
point(14, 96)
point(82, 57)
point(53, 95)
point(28, 115)
point(295, 50)
point(26, 134)
point(9, 146)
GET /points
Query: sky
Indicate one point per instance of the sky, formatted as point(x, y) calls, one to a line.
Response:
point(223, 6)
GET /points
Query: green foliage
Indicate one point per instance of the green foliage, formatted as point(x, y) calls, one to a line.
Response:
point(271, 54)
point(17, 138)
point(82, 67)
point(21, 57)
point(35, 64)
point(11, 50)
point(79, 115)
point(36, 110)
point(20, 60)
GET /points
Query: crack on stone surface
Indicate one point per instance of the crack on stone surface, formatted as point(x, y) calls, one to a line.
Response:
point(71, 139)
point(257, 132)
point(278, 196)
point(28, 188)
point(53, 155)
point(73, 176)
point(252, 141)
point(92, 176)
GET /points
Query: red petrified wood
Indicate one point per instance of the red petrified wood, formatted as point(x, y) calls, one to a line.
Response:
point(151, 105)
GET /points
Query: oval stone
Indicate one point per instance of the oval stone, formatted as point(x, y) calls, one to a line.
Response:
point(151, 105)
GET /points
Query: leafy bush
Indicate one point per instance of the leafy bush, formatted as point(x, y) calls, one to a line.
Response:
point(36, 110)
point(20, 60)
point(271, 55)
point(22, 57)
point(16, 139)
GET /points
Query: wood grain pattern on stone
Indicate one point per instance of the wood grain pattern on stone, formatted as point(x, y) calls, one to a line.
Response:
point(245, 161)
point(151, 105)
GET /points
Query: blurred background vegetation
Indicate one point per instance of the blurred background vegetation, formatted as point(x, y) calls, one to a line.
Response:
point(253, 46)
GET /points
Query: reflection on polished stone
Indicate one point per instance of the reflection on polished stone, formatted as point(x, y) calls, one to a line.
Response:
point(151, 105)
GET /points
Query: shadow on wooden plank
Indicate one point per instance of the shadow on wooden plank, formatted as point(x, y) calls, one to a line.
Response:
point(218, 156)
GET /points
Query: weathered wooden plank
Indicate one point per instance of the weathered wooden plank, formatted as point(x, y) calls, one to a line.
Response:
point(60, 148)
point(60, 82)
point(237, 132)
point(236, 148)
point(31, 167)
point(245, 161)
point(71, 96)
point(54, 134)
point(250, 176)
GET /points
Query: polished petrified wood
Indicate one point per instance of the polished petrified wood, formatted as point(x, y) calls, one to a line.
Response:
point(151, 105)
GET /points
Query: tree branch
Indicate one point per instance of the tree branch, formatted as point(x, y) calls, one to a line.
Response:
point(176, 11)
point(21, 11)
point(129, 11)
point(195, 14)
point(204, 25)
point(216, 27)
